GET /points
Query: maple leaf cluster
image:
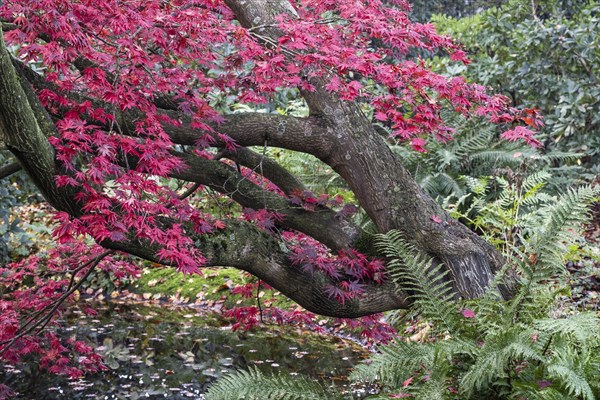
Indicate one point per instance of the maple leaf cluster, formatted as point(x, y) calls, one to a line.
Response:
point(100, 62)
point(130, 57)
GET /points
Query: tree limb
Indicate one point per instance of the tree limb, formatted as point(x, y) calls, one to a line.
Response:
point(25, 136)
point(322, 224)
point(242, 245)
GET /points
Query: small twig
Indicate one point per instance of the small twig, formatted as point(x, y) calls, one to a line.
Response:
point(258, 303)
point(190, 191)
point(587, 69)
point(72, 288)
point(534, 14)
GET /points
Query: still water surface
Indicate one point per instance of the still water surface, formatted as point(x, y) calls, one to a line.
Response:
point(158, 353)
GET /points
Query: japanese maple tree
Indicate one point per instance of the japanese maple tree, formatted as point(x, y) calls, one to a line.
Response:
point(110, 106)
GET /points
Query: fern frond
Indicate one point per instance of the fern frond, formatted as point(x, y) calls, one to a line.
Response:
point(575, 384)
point(395, 363)
point(569, 211)
point(539, 199)
point(428, 284)
point(436, 387)
point(560, 156)
point(474, 143)
point(583, 327)
point(498, 157)
point(441, 184)
point(533, 392)
point(532, 183)
point(254, 385)
point(498, 351)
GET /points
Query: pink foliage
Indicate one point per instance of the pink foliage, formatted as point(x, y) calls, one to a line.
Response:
point(142, 49)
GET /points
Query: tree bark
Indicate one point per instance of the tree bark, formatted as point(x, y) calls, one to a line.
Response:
point(244, 246)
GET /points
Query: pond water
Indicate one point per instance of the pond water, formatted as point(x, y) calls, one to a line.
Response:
point(163, 353)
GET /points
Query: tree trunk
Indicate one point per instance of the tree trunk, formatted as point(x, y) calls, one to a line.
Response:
point(382, 186)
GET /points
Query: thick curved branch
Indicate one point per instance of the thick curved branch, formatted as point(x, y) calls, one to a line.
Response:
point(244, 246)
point(307, 135)
point(25, 136)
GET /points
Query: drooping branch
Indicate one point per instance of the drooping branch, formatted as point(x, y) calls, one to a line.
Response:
point(247, 129)
point(322, 224)
point(254, 128)
point(244, 246)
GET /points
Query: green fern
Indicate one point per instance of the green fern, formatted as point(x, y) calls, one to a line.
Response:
point(532, 391)
point(509, 349)
point(428, 283)
point(573, 381)
point(436, 385)
point(396, 363)
point(583, 327)
point(548, 244)
point(254, 385)
point(478, 151)
point(493, 362)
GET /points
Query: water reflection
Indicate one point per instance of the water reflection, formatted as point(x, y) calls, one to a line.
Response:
point(157, 353)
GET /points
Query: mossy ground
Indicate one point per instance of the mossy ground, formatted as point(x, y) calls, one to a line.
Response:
point(212, 286)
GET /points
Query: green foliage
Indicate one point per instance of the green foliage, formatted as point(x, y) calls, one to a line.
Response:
point(502, 350)
point(422, 10)
point(427, 283)
point(212, 285)
point(254, 385)
point(543, 54)
point(316, 175)
point(446, 169)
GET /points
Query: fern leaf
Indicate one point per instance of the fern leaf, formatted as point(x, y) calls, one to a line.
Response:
point(584, 327)
point(254, 385)
point(567, 213)
point(396, 362)
point(533, 182)
point(498, 351)
point(436, 387)
point(575, 384)
point(430, 288)
point(533, 392)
